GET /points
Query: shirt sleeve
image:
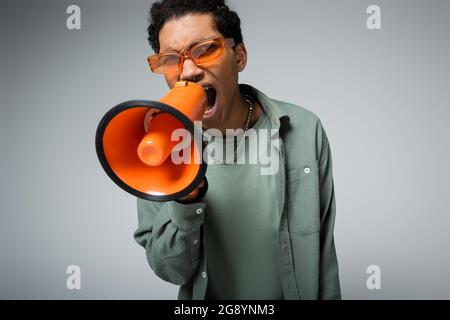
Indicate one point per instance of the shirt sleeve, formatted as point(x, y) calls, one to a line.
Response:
point(329, 286)
point(170, 233)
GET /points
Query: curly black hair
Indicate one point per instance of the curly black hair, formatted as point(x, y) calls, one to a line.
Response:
point(227, 21)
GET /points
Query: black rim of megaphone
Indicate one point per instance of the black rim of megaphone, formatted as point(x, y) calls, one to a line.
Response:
point(189, 125)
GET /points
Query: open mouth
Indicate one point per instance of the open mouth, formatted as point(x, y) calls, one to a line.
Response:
point(211, 94)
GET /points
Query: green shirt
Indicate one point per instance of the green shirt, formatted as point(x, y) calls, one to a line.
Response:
point(241, 236)
point(172, 233)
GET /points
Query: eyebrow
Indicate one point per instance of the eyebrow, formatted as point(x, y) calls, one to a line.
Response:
point(192, 44)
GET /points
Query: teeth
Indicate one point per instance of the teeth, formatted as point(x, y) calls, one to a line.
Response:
point(207, 111)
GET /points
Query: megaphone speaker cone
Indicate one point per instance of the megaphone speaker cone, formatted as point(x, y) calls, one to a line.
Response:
point(139, 161)
point(157, 145)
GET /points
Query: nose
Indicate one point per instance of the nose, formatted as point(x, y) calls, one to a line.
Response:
point(191, 71)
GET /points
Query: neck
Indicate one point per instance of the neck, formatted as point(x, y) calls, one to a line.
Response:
point(238, 115)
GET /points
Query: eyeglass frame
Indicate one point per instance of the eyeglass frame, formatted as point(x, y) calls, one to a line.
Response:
point(187, 53)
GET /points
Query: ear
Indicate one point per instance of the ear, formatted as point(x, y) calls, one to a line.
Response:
point(240, 53)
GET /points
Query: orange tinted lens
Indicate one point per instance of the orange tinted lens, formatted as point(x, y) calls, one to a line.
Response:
point(207, 51)
point(153, 61)
point(165, 63)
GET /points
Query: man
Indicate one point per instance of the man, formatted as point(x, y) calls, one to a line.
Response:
point(241, 234)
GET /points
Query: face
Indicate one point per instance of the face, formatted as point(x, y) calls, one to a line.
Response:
point(221, 74)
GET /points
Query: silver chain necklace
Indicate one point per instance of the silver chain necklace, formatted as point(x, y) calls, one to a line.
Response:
point(250, 104)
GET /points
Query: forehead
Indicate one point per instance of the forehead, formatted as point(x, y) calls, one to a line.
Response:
point(181, 32)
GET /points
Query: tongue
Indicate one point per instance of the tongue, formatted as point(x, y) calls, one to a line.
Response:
point(211, 94)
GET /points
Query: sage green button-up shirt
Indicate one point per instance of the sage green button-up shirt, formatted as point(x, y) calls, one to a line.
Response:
point(241, 237)
point(172, 233)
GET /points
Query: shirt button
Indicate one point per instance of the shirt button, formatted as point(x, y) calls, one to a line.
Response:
point(195, 242)
point(204, 274)
point(199, 211)
point(307, 170)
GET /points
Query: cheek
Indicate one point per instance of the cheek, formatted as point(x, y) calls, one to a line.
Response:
point(170, 80)
point(226, 68)
point(227, 75)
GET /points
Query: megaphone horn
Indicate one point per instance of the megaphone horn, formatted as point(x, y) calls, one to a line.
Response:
point(133, 144)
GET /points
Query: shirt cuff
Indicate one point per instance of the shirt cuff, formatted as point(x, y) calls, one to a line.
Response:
point(187, 217)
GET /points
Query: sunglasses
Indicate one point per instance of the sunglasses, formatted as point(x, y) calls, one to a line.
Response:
point(200, 53)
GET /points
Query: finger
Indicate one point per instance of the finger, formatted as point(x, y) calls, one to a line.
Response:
point(191, 195)
point(202, 184)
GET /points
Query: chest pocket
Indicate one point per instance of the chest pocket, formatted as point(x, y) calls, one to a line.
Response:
point(304, 199)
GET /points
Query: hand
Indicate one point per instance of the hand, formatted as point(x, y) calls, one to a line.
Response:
point(191, 197)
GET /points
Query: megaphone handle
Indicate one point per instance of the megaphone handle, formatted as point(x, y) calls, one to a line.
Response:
point(197, 194)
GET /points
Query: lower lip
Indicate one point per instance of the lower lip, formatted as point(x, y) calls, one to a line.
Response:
point(211, 113)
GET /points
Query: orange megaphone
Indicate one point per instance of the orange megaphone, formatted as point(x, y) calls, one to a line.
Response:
point(135, 144)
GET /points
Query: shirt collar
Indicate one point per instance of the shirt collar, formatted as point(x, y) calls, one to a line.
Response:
point(273, 110)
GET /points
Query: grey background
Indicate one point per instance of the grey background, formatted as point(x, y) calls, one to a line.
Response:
point(383, 97)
